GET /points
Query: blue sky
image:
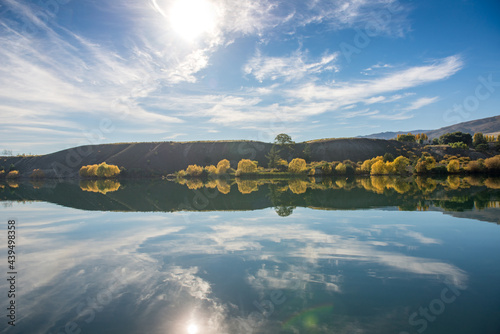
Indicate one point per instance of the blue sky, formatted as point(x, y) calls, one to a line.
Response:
point(91, 72)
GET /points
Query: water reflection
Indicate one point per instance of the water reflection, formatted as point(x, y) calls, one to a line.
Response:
point(100, 186)
point(243, 272)
point(453, 194)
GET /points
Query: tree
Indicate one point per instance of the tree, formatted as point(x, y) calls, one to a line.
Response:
point(379, 168)
point(406, 138)
point(493, 164)
point(479, 139)
point(102, 170)
point(453, 166)
point(340, 169)
point(13, 174)
point(246, 166)
point(297, 165)
point(455, 137)
point(388, 157)
point(366, 167)
point(223, 166)
point(284, 141)
point(307, 153)
point(194, 170)
point(425, 164)
point(273, 157)
point(37, 174)
point(211, 169)
point(400, 164)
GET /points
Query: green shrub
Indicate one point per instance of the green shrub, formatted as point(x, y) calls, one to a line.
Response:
point(482, 147)
point(460, 145)
point(455, 137)
point(388, 157)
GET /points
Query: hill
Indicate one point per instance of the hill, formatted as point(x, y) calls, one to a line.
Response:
point(490, 125)
point(160, 158)
point(485, 125)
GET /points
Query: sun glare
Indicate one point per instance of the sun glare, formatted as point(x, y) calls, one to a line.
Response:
point(192, 18)
point(192, 329)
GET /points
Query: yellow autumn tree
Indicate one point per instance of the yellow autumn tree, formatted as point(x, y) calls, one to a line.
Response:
point(194, 170)
point(453, 166)
point(211, 169)
point(297, 165)
point(223, 166)
point(246, 166)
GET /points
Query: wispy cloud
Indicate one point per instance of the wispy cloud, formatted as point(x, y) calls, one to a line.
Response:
point(421, 102)
point(411, 77)
point(290, 68)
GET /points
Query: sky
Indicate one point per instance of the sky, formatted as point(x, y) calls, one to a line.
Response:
point(79, 72)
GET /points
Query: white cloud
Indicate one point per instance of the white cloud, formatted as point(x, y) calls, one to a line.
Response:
point(421, 102)
point(290, 68)
point(392, 117)
point(348, 93)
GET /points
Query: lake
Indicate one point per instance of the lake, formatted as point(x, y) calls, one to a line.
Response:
point(350, 255)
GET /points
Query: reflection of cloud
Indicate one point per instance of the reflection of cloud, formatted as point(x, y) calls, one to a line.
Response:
point(156, 264)
point(422, 239)
point(295, 278)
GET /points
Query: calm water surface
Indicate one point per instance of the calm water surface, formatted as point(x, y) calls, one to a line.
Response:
point(161, 258)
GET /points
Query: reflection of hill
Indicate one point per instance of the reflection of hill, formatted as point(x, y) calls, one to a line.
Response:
point(448, 194)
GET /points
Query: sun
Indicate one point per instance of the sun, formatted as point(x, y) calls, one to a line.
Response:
point(192, 329)
point(192, 18)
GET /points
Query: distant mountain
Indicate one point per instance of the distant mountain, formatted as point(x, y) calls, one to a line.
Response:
point(485, 125)
point(490, 125)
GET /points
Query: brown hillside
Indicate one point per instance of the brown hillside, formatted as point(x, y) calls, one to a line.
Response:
point(484, 125)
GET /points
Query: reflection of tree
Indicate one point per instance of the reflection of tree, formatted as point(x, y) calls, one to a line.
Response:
point(100, 186)
point(297, 186)
point(426, 184)
point(456, 204)
point(492, 183)
point(453, 182)
point(211, 184)
point(401, 186)
point(37, 184)
point(194, 183)
point(223, 186)
point(474, 180)
point(284, 211)
point(247, 186)
point(13, 184)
